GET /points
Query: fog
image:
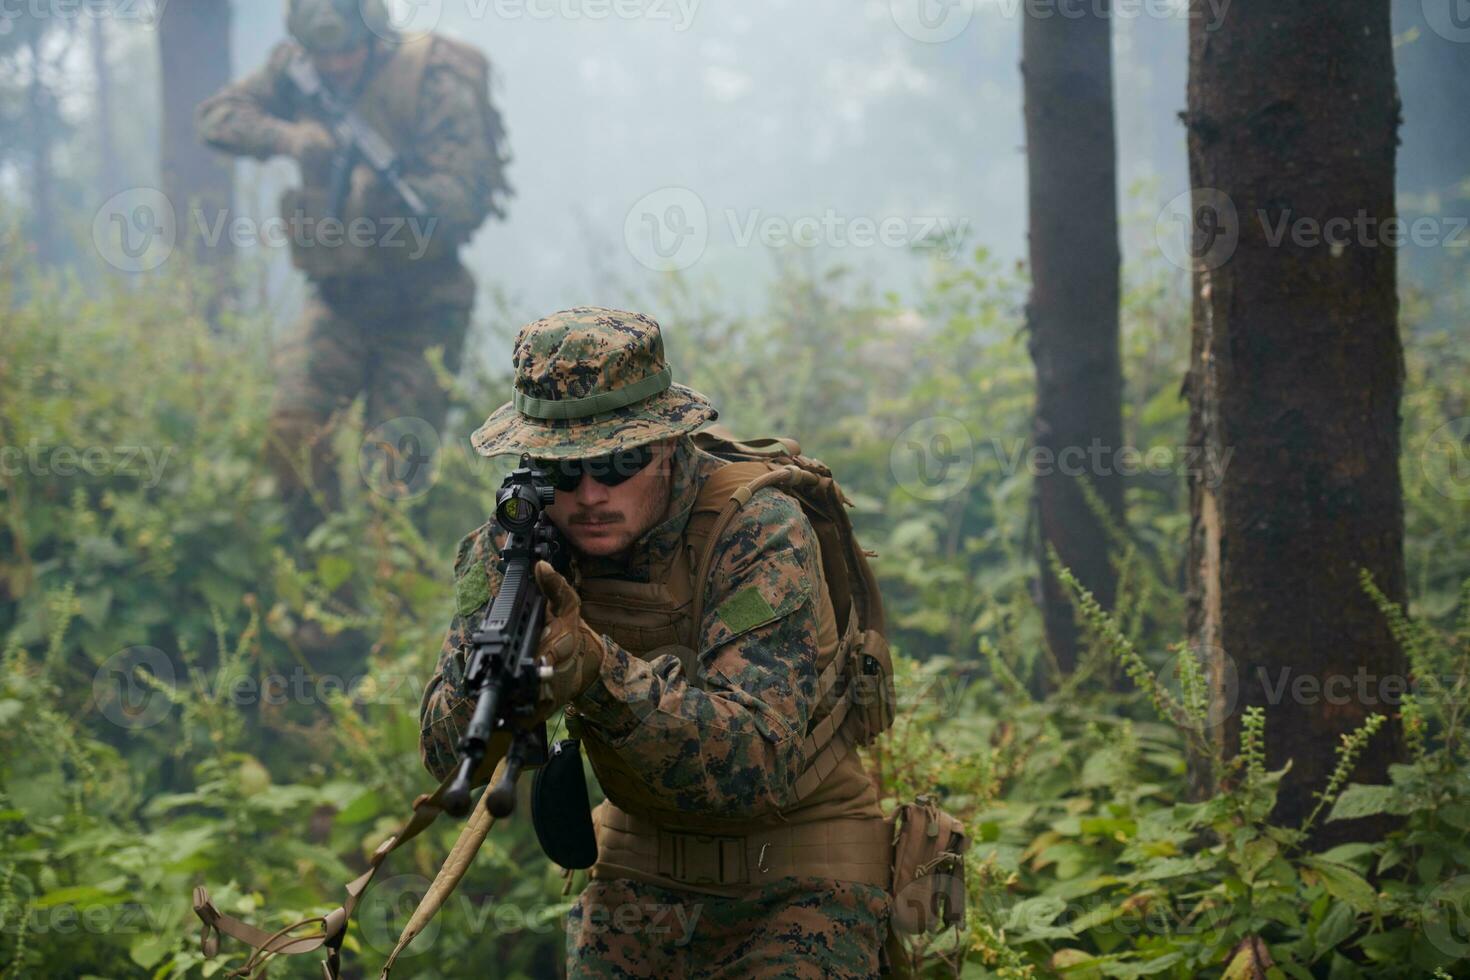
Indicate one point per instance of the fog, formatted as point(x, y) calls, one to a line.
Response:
point(711, 140)
point(738, 133)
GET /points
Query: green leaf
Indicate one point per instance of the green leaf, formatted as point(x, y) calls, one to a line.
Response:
point(147, 950)
point(1351, 853)
point(1105, 767)
point(362, 809)
point(1344, 883)
point(1033, 912)
point(81, 896)
point(1144, 969)
point(94, 605)
point(333, 570)
point(1360, 800)
point(1457, 815)
point(1336, 925)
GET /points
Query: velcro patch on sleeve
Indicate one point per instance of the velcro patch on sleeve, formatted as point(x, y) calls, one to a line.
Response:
point(472, 589)
point(745, 610)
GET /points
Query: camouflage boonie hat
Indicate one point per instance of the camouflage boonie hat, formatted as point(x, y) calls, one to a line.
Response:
point(590, 381)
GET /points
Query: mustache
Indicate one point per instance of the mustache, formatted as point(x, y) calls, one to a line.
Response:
point(596, 517)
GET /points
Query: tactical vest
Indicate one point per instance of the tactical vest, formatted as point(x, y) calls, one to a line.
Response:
point(389, 103)
point(835, 829)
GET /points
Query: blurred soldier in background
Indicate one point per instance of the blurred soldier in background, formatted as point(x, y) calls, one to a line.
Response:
point(387, 282)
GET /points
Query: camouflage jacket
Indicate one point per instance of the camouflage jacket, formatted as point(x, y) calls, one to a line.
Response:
point(453, 159)
point(733, 748)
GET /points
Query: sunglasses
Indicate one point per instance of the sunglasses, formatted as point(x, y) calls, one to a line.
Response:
point(609, 470)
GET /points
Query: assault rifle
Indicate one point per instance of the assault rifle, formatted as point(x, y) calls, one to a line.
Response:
point(502, 672)
point(504, 677)
point(356, 141)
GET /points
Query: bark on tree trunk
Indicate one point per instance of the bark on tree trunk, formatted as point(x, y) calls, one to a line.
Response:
point(108, 179)
point(40, 109)
point(1295, 378)
point(194, 60)
point(1072, 316)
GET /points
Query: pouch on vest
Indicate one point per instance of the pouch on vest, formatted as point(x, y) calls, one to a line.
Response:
point(928, 867)
point(560, 810)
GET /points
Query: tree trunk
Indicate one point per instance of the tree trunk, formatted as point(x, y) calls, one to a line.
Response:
point(194, 60)
point(1295, 378)
point(1433, 64)
point(1072, 316)
point(109, 180)
point(40, 111)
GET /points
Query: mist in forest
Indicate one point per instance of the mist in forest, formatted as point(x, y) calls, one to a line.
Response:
point(829, 131)
point(717, 139)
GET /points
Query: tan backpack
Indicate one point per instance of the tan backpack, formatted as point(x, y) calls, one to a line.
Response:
point(859, 692)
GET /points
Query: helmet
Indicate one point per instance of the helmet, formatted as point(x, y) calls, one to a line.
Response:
point(330, 26)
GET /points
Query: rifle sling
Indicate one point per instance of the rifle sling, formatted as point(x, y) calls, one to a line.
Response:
point(426, 810)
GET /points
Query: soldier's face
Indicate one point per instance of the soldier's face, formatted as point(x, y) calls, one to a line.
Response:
point(340, 69)
point(602, 520)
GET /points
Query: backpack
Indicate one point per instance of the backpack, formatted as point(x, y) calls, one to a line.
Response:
point(856, 689)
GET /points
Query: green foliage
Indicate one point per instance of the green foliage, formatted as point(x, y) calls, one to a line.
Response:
point(236, 758)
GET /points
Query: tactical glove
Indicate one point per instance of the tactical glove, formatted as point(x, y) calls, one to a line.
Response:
point(568, 644)
point(310, 144)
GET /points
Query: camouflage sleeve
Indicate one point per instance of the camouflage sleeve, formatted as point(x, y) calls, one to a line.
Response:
point(248, 117)
point(445, 709)
point(734, 748)
point(455, 162)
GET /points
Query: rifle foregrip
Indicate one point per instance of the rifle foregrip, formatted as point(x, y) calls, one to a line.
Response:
point(456, 798)
point(502, 800)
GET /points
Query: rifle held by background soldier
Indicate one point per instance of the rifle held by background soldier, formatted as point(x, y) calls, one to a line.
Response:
point(356, 142)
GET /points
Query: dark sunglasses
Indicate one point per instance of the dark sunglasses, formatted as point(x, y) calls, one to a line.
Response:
point(609, 470)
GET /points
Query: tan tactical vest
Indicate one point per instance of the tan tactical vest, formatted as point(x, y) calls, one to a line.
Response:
point(834, 830)
point(389, 103)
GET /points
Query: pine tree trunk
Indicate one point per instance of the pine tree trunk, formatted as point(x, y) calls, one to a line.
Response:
point(40, 112)
point(109, 179)
point(1295, 380)
point(194, 57)
point(1072, 316)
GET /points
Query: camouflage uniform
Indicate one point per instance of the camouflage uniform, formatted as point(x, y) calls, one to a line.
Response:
point(731, 751)
point(373, 310)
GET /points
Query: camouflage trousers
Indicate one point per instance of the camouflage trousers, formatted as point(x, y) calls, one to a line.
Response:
point(359, 338)
point(792, 928)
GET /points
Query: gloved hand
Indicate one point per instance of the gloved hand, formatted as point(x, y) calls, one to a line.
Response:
point(310, 144)
point(568, 644)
